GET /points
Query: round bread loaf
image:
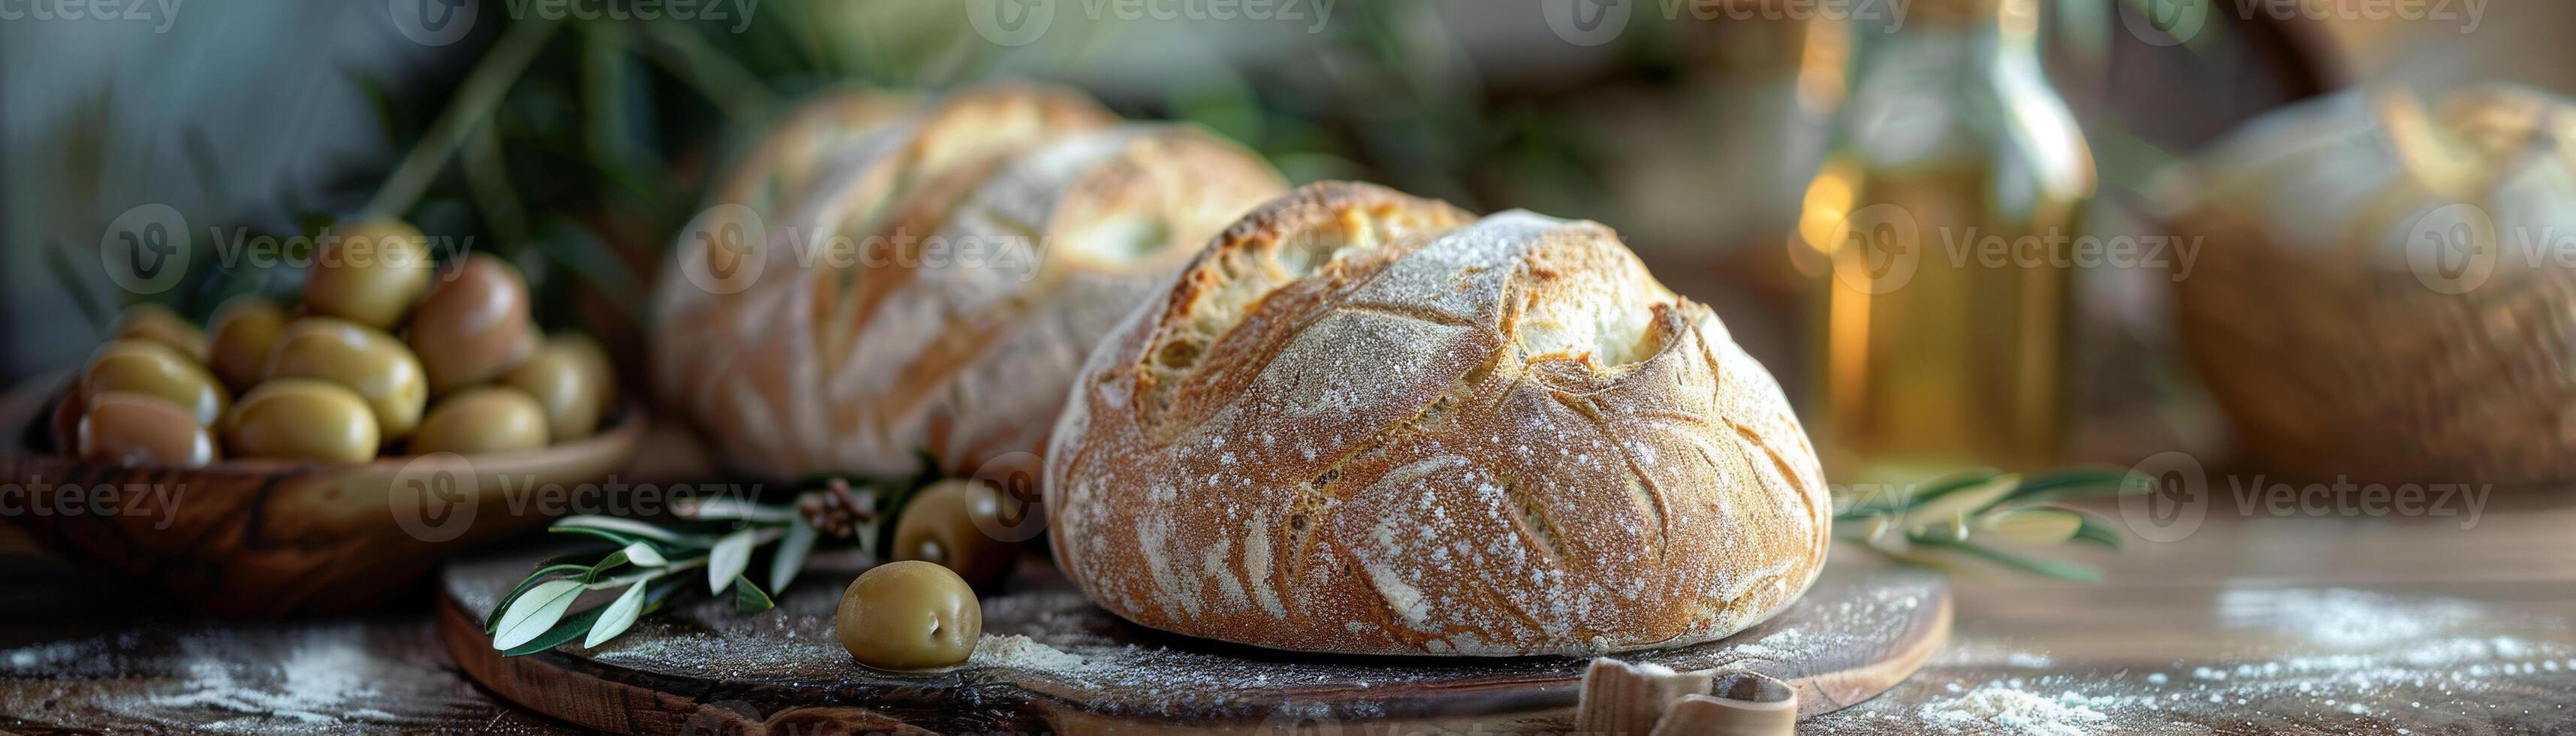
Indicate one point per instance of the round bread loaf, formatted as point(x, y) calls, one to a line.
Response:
point(2386, 286)
point(934, 282)
point(1362, 422)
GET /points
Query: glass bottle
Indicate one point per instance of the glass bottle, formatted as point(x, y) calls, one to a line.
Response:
point(1935, 236)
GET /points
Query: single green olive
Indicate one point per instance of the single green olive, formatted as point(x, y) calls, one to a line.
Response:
point(245, 329)
point(303, 419)
point(127, 428)
point(158, 324)
point(947, 525)
point(369, 273)
point(474, 324)
point(569, 375)
point(909, 615)
point(377, 366)
point(148, 367)
point(482, 419)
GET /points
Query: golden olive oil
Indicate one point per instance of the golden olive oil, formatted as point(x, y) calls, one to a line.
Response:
point(1937, 235)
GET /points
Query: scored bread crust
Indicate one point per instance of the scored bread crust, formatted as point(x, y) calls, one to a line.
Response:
point(1361, 422)
point(870, 338)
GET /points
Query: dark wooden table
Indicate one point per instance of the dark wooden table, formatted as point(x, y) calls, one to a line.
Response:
point(2252, 624)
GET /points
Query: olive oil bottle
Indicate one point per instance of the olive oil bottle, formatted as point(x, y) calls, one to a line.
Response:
point(1936, 236)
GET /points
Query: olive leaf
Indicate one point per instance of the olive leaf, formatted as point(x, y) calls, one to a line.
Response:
point(728, 559)
point(747, 597)
point(545, 572)
point(617, 615)
point(535, 611)
point(579, 624)
point(652, 562)
point(643, 554)
point(2032, 526)
point(618, 526)
point(792, 549)
point(735, 508)
point(1957, 512)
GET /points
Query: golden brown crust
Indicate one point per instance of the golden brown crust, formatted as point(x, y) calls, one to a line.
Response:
point(872, 335)
point(1359, 423)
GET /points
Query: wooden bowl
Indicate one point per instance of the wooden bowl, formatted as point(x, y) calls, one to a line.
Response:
point(269, 537)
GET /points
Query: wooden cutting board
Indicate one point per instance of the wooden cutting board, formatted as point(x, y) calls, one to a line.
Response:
point(701, 668)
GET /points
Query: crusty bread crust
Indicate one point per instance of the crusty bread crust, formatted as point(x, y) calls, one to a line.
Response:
point(1362, 423)
point(859, 354)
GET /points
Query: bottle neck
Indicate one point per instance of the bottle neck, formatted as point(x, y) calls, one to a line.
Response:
point(1962, 33)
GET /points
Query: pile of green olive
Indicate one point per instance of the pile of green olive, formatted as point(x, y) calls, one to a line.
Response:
point(388, 354)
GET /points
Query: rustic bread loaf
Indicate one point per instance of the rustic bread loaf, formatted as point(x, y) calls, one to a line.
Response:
point(2384, 294)
point(1363, 422)
point(933, 283)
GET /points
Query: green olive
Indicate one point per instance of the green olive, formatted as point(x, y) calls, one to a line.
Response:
point(246, 327)
point(369, 273)
point(379, 367)
point(482, 419)
point(303, 419)
point(909, 615)
point(127, 428)
point(473, 325)
point(158, 324)
point(570, 377)
point(148, 367)
point(946, 525)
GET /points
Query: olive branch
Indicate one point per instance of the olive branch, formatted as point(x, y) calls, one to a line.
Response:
point(1954, 515)
point(713, 541)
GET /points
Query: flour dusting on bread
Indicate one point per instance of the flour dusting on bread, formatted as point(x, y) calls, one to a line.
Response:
point(1362, 422)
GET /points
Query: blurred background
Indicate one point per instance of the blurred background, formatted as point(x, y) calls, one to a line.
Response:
point(1739, 147)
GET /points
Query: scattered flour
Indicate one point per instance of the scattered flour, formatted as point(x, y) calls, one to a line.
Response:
point(2341, 617)
point(1018, 651)
point(327, 678)
point(2014, 711)
point(2346, 661)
